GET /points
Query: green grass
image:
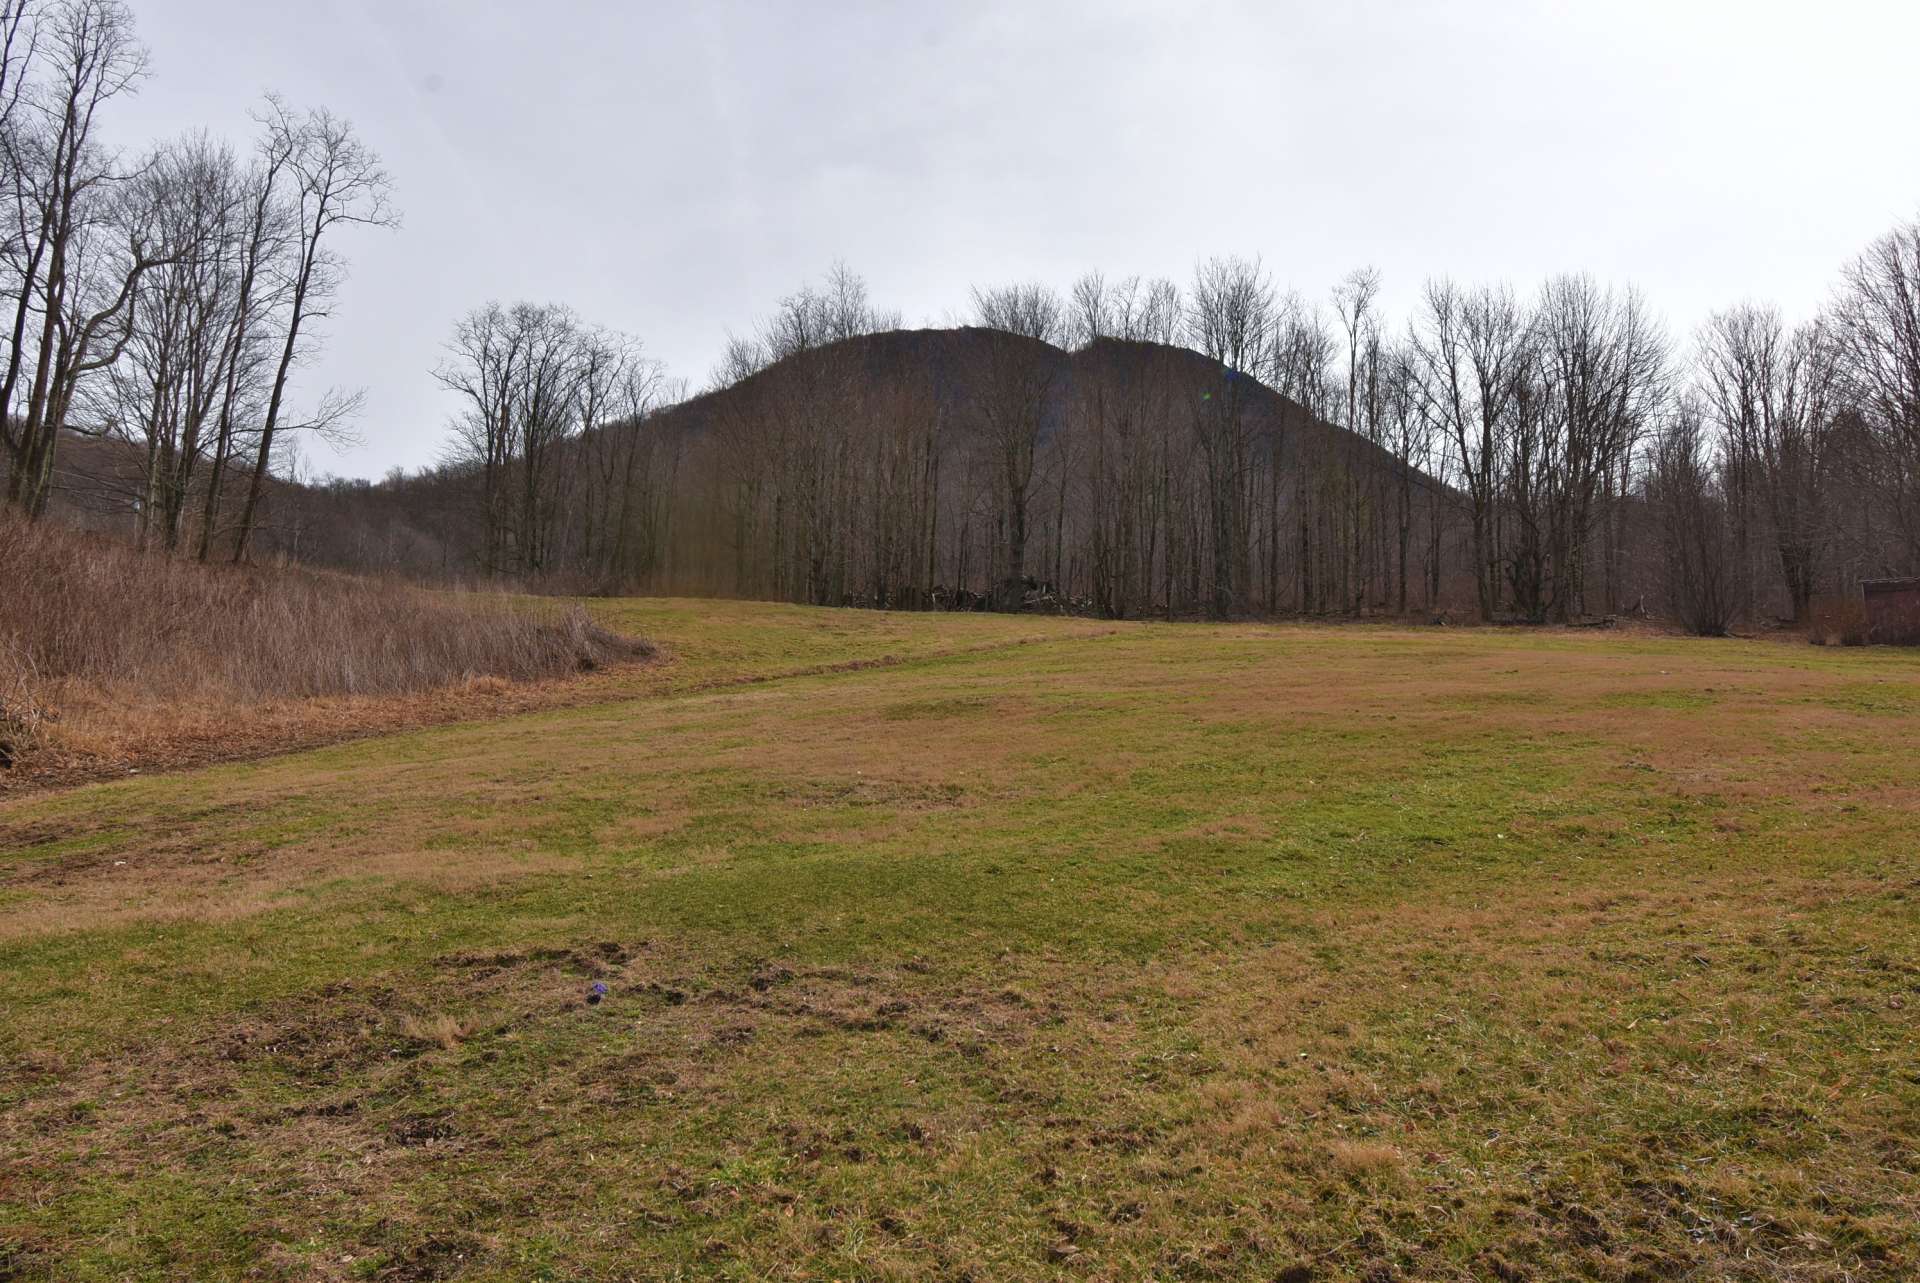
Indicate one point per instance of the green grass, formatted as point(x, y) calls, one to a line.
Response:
point(981, 947)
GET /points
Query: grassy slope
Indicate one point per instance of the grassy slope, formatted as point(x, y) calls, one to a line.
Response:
point(1170, 952)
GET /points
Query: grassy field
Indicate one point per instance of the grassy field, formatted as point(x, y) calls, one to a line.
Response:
point(1000, 948)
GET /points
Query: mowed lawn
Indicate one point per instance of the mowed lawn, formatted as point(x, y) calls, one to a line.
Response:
point(1001, 948)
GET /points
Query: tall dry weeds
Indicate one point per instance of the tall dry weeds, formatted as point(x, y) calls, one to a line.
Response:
point(80, 608)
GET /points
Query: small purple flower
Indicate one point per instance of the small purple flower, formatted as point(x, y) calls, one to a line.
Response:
point(595, 994)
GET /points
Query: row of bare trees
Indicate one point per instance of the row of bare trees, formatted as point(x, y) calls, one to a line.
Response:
point(161, 300)
point(1790, 464)
point(1516, 422)
point(1121, 447)
point(822, 465)
point(554, 431)
point(1134, 447)
point(1536, 410)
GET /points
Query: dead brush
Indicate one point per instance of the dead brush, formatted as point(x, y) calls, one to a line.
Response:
point(23, 717)
point(83, 616)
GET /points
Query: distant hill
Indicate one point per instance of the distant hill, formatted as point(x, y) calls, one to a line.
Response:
point(955, 362)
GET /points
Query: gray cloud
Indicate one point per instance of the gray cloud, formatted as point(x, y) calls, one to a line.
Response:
point(670, 169)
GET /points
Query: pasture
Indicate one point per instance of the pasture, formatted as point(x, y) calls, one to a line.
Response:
point(985, 947)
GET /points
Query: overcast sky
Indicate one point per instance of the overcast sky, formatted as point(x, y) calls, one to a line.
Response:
point(670, 169)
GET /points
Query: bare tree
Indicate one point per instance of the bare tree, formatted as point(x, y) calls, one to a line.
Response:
point(1302, 372)
point(1230, 317)
point(1471, 345)
point(1697, 546)
point(81, 246)
point(1022, 324)
point(1090, 308)
point(1876, 325)
point(547, 402)
point(270, 227)
point(522, 371)
point(166, 393)
point(1353, 301)
point(337, 181)
point(483, 366)
point(1603, 362)
point(1408, 441)
point(1772, 393)
point(608, 361)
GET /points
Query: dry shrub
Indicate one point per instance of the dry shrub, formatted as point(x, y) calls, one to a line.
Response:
point(79, 608)
point(1837, 621)
point(23, 717)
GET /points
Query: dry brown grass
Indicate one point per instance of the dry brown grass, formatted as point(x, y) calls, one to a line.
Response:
point(138, 642)
point(1365, 1160)
point(443, 1031)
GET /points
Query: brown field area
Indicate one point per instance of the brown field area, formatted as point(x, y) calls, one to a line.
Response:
point(113, 660)
point(989, 947)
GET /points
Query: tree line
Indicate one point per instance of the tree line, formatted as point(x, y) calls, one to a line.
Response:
point(160, 302)
point(1219, 446)
point(1225, 448)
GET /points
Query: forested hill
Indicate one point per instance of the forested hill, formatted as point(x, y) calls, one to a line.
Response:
point(889, 467)
point(966, 368)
